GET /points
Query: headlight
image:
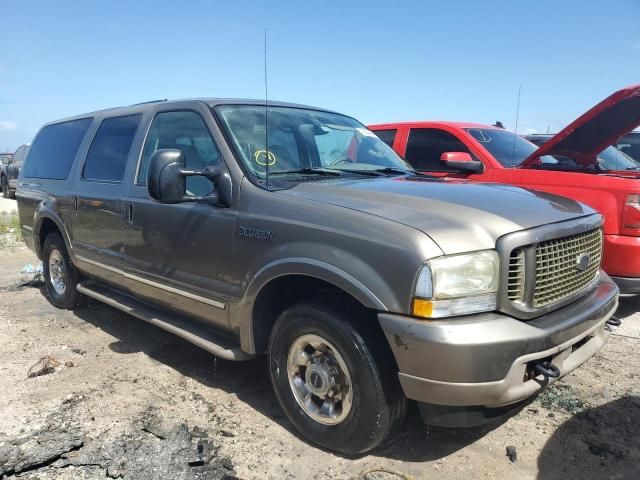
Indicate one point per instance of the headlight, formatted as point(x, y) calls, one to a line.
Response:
point(457, 285)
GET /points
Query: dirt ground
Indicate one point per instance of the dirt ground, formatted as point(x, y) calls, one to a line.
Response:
point(127, 400)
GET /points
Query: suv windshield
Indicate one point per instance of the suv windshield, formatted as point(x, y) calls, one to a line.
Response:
point(304, 141)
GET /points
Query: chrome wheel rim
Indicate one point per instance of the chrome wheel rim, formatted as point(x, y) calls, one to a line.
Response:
point(319, 379)
point(57, 272)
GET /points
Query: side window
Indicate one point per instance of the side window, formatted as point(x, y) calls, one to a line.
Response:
point(426, 145)
point(387, 136)
point(186, 131)
point(107, 157)
point(54, 149)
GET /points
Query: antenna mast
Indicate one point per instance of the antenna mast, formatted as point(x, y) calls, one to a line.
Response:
point(513, 152)
point(266, 113)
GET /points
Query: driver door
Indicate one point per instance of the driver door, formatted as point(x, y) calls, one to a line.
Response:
point(181, 255)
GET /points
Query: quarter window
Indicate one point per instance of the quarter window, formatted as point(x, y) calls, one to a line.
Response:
point(426, 145)
point(107, 157)
point(185, 131)
point(387, 136)
point(54, 149)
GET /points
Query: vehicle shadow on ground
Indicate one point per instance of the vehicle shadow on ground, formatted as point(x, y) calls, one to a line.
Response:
point(601, 442)
point(249, 381)
point(628, 306)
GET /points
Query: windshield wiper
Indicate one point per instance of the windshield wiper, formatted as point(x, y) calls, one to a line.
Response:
point(393, 170)
point(378, 172)
point(308, 171)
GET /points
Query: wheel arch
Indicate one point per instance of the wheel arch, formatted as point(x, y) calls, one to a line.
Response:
point(45, 222)
point(279, 284)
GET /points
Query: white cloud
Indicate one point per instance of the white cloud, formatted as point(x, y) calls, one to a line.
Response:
point(7, 125)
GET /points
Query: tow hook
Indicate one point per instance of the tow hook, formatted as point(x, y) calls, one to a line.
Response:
point(612, 322)
point(547, 369)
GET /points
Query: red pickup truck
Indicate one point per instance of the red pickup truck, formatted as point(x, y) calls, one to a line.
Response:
point(572, 164)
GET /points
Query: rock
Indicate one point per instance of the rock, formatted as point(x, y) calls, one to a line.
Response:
point(69, 363)
point(227, 433)
point(44, 366)
point(512, 453)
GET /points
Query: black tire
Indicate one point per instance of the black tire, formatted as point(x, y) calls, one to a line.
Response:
point(378, 404)
point(5, 187)
point(11, 194)
point(69, 297)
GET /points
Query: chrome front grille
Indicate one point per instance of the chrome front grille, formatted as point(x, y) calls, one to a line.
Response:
point(515, 285)
point(563, 267)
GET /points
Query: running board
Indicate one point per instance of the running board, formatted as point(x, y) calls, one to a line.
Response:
point(192, 333)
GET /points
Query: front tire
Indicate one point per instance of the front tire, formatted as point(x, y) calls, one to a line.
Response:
point(60, 275)
point(337, 383)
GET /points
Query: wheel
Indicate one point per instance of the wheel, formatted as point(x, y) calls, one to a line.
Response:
point(5, 187)
point(60, 276)
point(11, 193)
point(336, 383)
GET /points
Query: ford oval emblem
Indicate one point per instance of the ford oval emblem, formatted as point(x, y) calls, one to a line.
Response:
point(582, 262)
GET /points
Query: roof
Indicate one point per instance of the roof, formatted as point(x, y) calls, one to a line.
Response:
point(432, 123)
point(212, 102)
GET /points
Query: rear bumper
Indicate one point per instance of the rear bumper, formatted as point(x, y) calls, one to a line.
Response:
point(481, 360)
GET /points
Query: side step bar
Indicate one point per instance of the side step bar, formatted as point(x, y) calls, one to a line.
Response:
point(192, 333)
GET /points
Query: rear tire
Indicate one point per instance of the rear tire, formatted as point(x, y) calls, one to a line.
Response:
point(5, 187)
point(60, 276)
point(321, 341)
point(11, 194)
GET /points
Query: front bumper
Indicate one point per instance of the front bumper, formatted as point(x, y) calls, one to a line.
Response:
point(481, 360)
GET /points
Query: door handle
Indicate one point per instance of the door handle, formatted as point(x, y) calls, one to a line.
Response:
point(129, 213)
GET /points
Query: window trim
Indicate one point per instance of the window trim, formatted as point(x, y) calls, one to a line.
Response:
point(136, 183)
point(93, 139)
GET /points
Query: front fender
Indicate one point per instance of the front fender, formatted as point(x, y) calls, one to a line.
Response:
point(311, 268)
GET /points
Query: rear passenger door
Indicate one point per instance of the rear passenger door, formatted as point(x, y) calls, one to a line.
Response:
point(181, 256)
point(96, 205)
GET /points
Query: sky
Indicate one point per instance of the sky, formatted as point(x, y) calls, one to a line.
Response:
point(375, 60)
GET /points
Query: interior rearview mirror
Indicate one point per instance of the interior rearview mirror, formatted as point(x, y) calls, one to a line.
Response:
point(461, 161)
point(166, 181)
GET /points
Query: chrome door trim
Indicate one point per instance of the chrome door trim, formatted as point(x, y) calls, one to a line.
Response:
point(192, 296)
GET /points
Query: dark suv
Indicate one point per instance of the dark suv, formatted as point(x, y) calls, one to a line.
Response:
point(11, 170)
point(296, 232)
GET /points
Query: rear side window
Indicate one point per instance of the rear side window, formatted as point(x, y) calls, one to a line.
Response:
point(54, 149)
point(107, 157)
point(426, 145)
point(387, 136)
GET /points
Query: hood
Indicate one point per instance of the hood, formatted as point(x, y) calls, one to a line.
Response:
point(459, 217)
point(595, 130)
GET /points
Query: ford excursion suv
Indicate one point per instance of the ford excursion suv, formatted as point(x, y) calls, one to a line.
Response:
point(296, 232)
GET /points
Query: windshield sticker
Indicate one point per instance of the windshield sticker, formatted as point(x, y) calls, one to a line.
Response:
point(262, 155)
point(480, 135)
point(365, 133)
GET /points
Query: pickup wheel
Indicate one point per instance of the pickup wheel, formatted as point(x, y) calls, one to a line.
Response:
point(333, 380)
point(5, 187)
point(60, 276)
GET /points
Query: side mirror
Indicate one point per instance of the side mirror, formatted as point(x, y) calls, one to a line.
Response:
point(461, 161)
point(166, 182)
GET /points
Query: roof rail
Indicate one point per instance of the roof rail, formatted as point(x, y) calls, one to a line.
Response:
point(150, 101)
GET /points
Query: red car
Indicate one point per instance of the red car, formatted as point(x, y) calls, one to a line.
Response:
point(570, 164)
